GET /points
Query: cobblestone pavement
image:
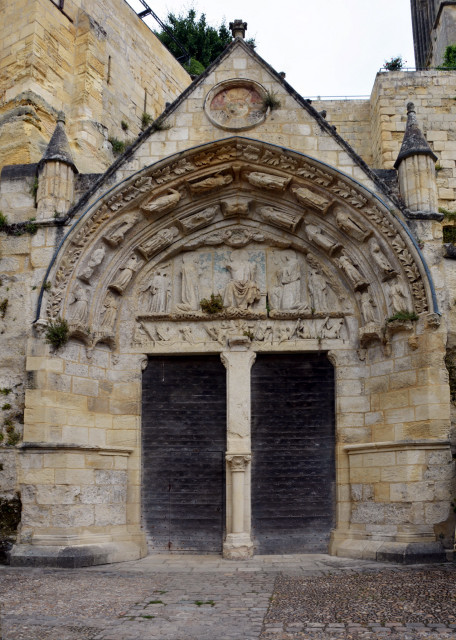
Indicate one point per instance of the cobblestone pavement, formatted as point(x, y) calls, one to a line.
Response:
point(207, 598)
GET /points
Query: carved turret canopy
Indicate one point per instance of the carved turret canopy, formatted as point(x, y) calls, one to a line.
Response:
point(235, 238)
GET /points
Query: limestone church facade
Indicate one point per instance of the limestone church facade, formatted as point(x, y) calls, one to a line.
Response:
point(237, 336)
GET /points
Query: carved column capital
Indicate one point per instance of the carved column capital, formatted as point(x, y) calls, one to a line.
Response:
point(238, 461)
point(230, 358)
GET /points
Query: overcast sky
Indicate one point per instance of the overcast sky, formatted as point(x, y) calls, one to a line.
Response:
point(325, 47)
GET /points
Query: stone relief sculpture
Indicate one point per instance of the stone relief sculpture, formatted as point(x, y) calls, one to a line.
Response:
point(351, 227)
point(319, 290)
point(162, 204)
point(351, 271)
point(310, 198)
point(332, 328)
point(213, 182)
point(158, 242)
point(368, 307)
point(380, 260)
point(116, 234)
point(235, 207)
point(95, 259)
point(160, 290)
point(108, 315)
point(318, 237)
point(79, 305)
point(190, 274)
point(268, 181)
point(198, 220)
point(398, 297)
point(125, 275)
point(242, 291)
point(279, 218)
point(288, 295)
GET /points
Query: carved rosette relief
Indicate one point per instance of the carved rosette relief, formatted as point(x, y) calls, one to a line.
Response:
point(313, 246)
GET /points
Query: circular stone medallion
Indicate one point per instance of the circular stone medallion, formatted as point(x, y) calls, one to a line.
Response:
point(235, 104)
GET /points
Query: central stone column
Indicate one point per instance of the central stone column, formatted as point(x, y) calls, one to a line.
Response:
point(238, 362)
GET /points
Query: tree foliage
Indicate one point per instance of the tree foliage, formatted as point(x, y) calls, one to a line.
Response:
point(449, 58)
point(203, 42)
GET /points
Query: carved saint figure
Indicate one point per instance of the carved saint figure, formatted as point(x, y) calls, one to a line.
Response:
point(79, 305)
point(242, 291)
point(109, 313)
point(125, 275)
point(190, 283)
point(159, 241)
point(368, 307)
point(289, 277)
point(380, 259)
point(351, 271)
point(213, 182)
point(95, 259)
point(282, 219)
point(160, 291)
point(198, 220)
point(316, 235)
point(308, 197)
point(268, 181)
point(163, 203)
point(398, 297)
point(318, 288)
point(118, 233)
point(352, 227)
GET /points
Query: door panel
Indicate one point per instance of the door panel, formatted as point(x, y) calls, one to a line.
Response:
point(293, 471)
point(183, 438)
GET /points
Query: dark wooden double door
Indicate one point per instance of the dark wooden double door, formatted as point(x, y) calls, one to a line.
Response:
point(184, 444)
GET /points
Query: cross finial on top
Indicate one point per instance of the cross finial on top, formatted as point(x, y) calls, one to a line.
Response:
point(238, 28)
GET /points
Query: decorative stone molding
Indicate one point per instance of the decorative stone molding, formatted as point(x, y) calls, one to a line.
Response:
point(236, 105)
point(343, 227)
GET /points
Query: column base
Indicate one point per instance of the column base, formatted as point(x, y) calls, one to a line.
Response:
point(238, 546)
point(399, 552)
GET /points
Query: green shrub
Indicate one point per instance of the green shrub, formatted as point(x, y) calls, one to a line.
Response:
point(118, 146)
point(213, 305)
point(403, 316)
point(271, 101)
point(395, 64)
point(57, 333)
point(3, 220)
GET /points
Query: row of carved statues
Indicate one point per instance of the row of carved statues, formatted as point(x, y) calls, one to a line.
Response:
point(280, 281)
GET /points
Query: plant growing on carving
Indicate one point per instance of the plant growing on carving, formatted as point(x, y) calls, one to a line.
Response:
point(403, 316)
point(212, 305)
point(57, 333)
